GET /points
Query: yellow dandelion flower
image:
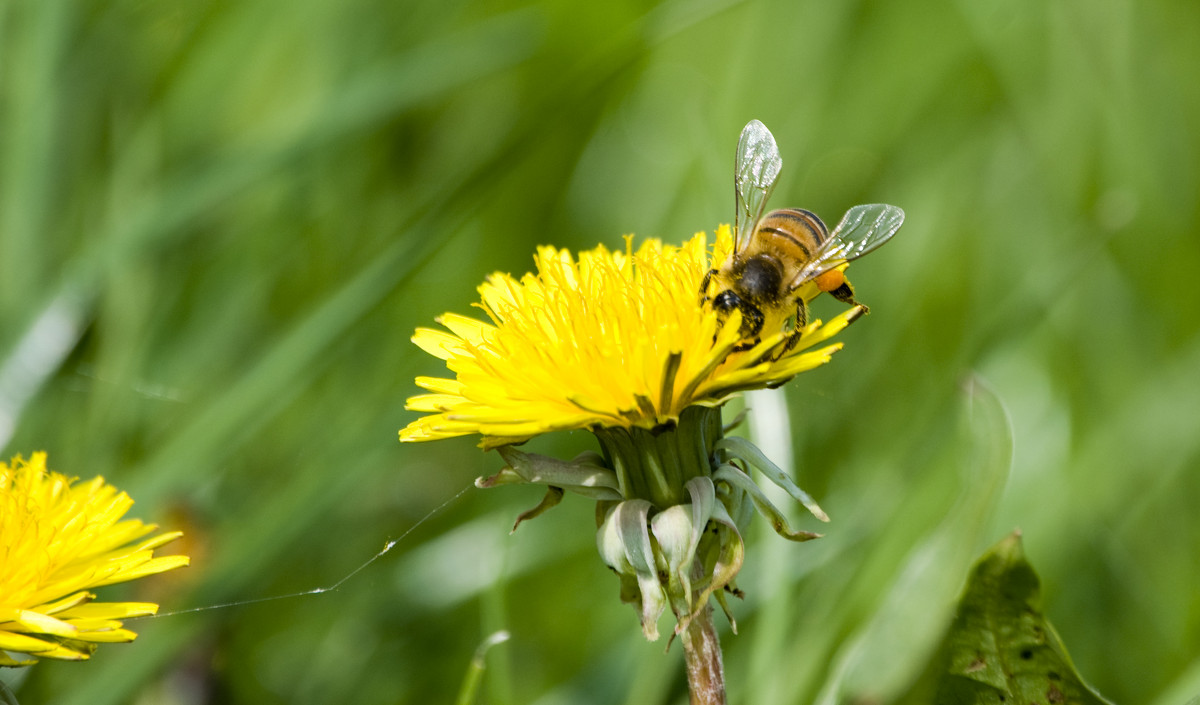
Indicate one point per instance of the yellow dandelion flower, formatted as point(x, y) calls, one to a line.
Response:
point(620, 343)
point(58, 540)
point(608, 339)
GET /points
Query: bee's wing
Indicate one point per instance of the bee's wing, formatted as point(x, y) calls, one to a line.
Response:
point(863, 228)
point(756, 167)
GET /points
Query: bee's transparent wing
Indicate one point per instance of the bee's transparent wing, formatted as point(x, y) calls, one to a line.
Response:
point(756, 167)
point(863, 228)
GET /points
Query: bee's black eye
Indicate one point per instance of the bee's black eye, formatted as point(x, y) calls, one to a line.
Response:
point(726, 301)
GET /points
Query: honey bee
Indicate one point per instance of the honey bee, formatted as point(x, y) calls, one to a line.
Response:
point(776, 254)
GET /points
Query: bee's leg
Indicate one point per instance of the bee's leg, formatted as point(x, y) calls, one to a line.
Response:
point(845, 294)
point(752, 325)
point(798, 328)
point(753, 318)
point(704, 286)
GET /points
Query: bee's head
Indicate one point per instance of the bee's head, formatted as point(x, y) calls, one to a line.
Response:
point(761, 278)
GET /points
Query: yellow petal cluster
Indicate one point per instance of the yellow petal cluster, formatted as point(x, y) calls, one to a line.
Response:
point(58, 540)
point(608, 338)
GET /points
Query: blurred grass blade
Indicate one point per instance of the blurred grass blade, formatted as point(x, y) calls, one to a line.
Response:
point(33, 38)
point(35, 357)
point(423, 74)
point(6, 695)
point(881, 658)
point(470, 686)
point(1185, 689)
point(270, 383)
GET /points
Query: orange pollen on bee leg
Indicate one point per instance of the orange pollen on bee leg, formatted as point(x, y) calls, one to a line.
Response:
point(828, 281)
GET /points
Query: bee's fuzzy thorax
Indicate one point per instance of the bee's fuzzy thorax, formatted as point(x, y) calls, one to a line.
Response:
point(762, 278)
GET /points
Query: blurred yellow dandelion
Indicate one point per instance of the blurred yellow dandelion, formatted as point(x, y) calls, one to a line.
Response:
point(608, 339)
point(58, 540)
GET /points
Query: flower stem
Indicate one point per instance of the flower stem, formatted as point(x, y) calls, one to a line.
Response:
point(702, 655)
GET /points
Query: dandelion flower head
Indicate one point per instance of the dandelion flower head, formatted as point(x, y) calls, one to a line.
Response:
point(58, 540)
point(605, 339)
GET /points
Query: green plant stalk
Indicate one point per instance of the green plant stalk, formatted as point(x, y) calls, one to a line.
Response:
point(702, 657)
point(474, 675)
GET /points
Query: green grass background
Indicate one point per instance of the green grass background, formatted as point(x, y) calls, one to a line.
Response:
point(224, 220)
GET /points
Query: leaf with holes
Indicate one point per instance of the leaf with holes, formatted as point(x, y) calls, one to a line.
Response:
point(1000, 647)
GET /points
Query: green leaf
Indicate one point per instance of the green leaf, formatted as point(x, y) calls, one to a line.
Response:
point(1000, 647)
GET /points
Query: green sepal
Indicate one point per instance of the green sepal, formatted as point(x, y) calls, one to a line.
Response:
point(738, 503)
point(673, 529)
point(721, 597)
point(553, 496)
point(624, 543)
point(737, 421)
point(726, 551)
point(583, 478)
point(747, 451)
point(505, 476)
point(704, 500)
point(735, 477)
point(679, 531)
